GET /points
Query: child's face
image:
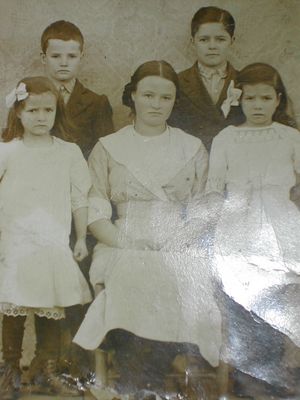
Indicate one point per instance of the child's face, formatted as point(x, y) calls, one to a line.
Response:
point(259, 103)
point(153, 100)
point(212, 44)
point(62, 59)
point(38, 114)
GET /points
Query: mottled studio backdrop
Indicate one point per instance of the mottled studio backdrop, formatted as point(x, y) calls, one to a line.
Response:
point(121, 34)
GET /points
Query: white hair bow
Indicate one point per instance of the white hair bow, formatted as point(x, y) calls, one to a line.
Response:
point(19, 93)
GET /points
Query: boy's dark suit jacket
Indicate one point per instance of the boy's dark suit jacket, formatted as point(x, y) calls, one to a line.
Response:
point(91, 115)
point(195, 111)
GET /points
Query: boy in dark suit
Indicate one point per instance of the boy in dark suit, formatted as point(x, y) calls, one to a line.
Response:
point(206, 85)
point(91, 114)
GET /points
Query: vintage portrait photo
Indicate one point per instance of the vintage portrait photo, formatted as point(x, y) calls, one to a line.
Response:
point(150, 199)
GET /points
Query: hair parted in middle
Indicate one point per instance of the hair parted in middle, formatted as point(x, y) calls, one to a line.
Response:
point(257, 73)
point(150, 68)
point(38, 85)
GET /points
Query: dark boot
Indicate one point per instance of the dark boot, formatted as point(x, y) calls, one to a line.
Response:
point(10, 381)
point(47, 346)
point(52, 382)
point(48, 333)
point(12, 338)
point(44, 372)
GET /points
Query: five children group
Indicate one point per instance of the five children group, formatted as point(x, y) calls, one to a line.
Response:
point(196, 258)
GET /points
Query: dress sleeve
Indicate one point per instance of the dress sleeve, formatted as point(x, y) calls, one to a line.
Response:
point(217, 170)
point(5, 151)
point(99, 196)
point(201, 168)
point(80, 180)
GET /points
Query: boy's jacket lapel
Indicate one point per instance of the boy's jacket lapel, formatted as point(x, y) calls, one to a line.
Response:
point(79, 100)
point(193, 87)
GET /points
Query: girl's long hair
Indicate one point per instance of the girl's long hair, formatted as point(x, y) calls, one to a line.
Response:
point(264, 73)
point(37, 85)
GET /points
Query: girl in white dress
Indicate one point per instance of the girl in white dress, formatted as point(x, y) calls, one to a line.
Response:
point(155, 291)
point(43, 181)
point(256, 249)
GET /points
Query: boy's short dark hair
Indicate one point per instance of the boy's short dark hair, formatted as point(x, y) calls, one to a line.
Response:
point(63, 30)
point(210, 15)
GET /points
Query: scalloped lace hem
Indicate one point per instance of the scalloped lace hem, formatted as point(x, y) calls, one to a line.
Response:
point(16, 311)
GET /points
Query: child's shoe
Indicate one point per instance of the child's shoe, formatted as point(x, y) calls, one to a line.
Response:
point(10, 380)
point(50, 382)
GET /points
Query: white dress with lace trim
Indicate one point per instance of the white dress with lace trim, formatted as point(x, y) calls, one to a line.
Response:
point(40, 187)
point(16, 311)
point(159, 293)
point(257, 252)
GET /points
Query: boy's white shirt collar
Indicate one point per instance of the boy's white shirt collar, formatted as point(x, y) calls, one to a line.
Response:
point(213, 79)
point(209, 72)
point(69, 86)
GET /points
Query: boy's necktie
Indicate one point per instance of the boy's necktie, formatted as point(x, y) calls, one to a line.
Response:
point(213, 80)
point(64, 94)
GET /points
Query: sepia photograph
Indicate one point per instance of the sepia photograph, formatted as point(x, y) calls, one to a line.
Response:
point(150, 199)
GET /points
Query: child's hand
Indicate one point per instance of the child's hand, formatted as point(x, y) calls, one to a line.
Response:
point(80, 250)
